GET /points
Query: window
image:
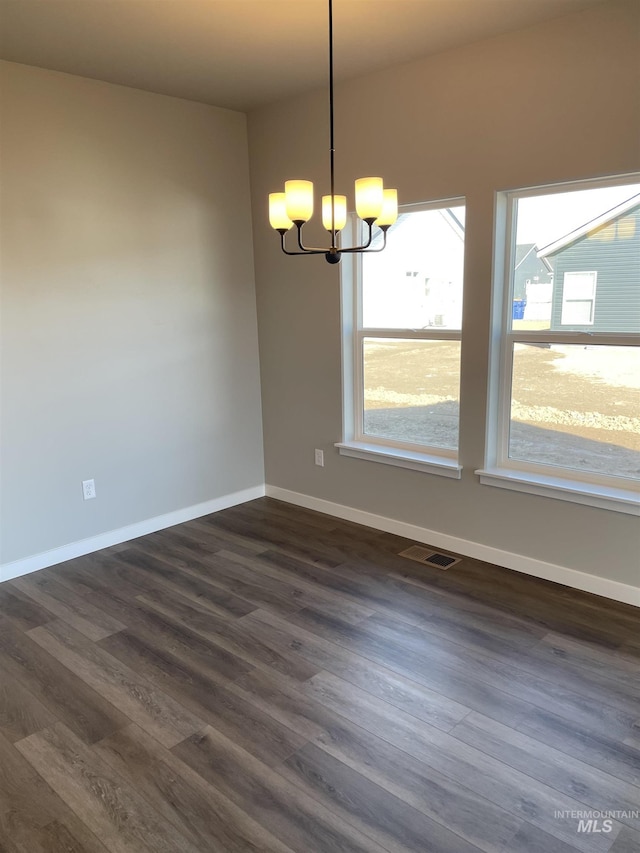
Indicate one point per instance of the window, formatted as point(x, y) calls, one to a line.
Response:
point(578, 298)
point(564, 414)
point(402, 317)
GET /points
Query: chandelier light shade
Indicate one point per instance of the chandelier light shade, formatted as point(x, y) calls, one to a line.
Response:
point(298, 200)
point(334, 217)
point(389, 212)
point(375, 205)
point(278, 212)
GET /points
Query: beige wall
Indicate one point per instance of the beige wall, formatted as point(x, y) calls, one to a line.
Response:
point(555, 102)
point(129, 348)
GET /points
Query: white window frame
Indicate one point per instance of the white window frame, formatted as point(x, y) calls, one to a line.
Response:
point(592, 489)
point(355, 442)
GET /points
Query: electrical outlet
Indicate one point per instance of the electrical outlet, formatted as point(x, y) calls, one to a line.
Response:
point(88, 489)
point(320, 458)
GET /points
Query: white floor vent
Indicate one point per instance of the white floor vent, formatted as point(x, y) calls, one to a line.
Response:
point(427, 557)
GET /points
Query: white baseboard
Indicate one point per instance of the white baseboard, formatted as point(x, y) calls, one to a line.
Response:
point(527, 565)
point(124, 534)
point(519, 563)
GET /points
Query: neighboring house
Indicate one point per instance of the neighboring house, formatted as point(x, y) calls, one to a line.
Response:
point(532, 278)
point(529, 269)
point(596, 273)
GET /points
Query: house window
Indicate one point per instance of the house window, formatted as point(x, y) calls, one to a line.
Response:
point(578, 298)
point(403, 316)
point(564, 413)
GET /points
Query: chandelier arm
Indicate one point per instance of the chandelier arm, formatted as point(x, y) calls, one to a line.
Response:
point(365, 246)
point(312, 249)
point(332, 250)
point(304, 251)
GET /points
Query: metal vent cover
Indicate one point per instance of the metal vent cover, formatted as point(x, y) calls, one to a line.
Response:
point(428, 557)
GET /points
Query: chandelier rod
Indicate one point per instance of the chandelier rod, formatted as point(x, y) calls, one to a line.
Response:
point(295, 205)
point(331, 127)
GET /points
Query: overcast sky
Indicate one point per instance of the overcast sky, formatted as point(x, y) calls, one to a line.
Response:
point(544, 219)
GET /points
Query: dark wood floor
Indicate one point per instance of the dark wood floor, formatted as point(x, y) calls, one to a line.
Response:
point(272, 679)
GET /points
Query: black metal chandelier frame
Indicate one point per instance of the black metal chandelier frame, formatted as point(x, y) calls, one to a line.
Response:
point(333, 252)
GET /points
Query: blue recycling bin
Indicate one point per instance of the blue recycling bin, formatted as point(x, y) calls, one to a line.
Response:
point(518, 308)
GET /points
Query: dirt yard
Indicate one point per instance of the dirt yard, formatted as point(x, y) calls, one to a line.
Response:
point(572, 406)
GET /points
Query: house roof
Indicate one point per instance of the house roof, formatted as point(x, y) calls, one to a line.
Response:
point(577, 234)
point(523, 250)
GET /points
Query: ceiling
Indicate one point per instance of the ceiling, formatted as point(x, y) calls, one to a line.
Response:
point(243, 53)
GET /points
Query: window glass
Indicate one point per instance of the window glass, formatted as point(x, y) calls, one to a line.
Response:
point(570, 352)
point(406, 341)
point(577, 407)
point(416, 283)
point(565, 242)
point(412, 390)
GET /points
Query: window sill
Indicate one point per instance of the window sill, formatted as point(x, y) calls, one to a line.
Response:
point(576, 491)
point(415, 461)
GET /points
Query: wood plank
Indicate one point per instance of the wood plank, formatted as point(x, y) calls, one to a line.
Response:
point(20, 610)
point(588, 657)
point(530, 839)
point(287, 583)
point(229, 636)
point(607, 754)
point(63, 604)
point(375, 812)
point(511, 790)
point(55, 837)
point(6, 844)
point(627, 841)
point(100, 573)
point(196, 809)
point(449, 616)
point(615, 673)
point(154, 711)
point(111, 808)
point(466, 690)
point(288, 540)
point(593, 706)
point(171, 636)
point(321, 523)
point(207, 697)
point(25, 798)
point(548, 605)
point(64, 695)
point(226, 579)
point(219, 540)
point(256, 732)
point(415, 699)
point(595, 789)
point(412, 651)
point(21, 713)
point(187, 584)
point(463, 811)
point(288, 813)
point(30, 811)
point(259, 591)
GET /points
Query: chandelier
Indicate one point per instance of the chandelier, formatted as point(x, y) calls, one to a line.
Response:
point(375, 205)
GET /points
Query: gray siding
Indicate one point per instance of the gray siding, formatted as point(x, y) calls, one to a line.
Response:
point(617, 262)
